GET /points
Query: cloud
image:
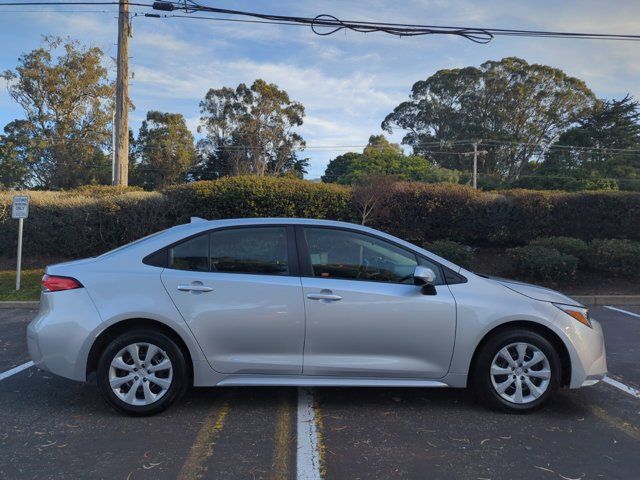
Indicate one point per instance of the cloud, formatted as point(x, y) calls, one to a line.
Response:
point(349, 81)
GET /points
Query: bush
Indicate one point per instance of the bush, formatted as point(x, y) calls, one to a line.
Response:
point(235, 197)
point(419, 212)
point(618, 257)
point(571, 184)
point(95, 219)
point(570, 246)
point(453, 251)
point(69, 224)
point(540, 263)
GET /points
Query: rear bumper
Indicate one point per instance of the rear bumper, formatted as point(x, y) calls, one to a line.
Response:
point(59, 338)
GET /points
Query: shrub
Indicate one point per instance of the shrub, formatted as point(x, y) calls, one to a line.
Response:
point(542, 263)
point(245, 196)
point(571, 184)
point(618, 257)
point(68, 224)
point(453, 251)
point(570, 246)
point(92, 220)
point(419, 212)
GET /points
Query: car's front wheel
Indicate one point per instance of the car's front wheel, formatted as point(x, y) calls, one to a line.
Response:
point(516, 370)
point(142, 372)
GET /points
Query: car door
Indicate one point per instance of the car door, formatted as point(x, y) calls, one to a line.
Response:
point(239, 291)
point(365, 317)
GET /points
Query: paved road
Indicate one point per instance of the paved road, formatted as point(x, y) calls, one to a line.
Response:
point(51, 428)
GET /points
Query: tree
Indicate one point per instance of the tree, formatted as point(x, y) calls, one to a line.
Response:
point(165, 149)
point(67, 104)
point(250, 130)
point(381, 158)
point(610, 127)
point(13, 169)
point(368, 193)
point(515, 107)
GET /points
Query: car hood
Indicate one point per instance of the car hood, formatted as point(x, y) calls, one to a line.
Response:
point(535, 292)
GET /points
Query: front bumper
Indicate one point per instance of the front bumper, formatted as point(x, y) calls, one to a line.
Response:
point(60, 336)
point(589, 359)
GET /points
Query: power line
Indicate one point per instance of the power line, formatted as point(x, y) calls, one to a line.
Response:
point(332, 24)
point(326, 24)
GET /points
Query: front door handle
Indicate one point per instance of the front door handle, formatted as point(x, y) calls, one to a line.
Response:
point(194, 288)
point(324, 296)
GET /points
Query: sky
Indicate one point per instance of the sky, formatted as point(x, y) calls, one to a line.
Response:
point(348, 82)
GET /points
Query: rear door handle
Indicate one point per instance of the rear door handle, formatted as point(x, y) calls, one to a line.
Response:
point(194, 288)
point(324, 296)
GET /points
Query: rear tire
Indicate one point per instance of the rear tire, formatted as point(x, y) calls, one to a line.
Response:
point(516, 371)
point(142, 372)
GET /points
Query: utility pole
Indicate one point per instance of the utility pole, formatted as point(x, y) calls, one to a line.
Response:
point(113, 147)
point(475, 154)
point(121, 163)
point(475, 164)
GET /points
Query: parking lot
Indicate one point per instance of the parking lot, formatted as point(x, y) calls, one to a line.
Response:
point(54, 428)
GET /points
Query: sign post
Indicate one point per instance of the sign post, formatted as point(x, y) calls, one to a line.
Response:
point(20, 211)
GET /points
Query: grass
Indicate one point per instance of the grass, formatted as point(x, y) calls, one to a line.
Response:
point(29, 288)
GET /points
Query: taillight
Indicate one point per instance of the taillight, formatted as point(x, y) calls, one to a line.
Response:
point(52, 283)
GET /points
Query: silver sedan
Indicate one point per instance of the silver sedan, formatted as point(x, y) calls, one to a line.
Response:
point(303, 303)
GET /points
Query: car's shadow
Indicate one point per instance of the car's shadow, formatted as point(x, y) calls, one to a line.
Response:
point(57, 394)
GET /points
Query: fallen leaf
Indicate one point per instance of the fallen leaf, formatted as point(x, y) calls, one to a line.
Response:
point(545, 469)
point(569, 478)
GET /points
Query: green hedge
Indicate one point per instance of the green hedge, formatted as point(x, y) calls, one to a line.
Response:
point(420, 212)
point(540, 263)
point(75, 225)
point(234, 197)
point(453, 251)
point(567, 245)
point(616, 257)
point(93, 220)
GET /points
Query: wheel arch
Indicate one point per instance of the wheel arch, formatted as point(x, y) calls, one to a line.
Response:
point(546, 332)
point(114, 330)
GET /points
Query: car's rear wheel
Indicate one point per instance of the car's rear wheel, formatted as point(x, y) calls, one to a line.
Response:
point(142, 372)
point(516, 371)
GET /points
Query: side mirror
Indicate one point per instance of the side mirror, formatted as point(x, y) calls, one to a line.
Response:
point(426, 278)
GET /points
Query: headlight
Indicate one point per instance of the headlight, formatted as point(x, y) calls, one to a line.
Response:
point(579, 313)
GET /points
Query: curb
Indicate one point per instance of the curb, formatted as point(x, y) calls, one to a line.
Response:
point(593, 300)
point(21, 304)
point(598, 300)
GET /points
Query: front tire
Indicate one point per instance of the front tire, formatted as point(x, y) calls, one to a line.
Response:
point(516, 371)
point(142, 372)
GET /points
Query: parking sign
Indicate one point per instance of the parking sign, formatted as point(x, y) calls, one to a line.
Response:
point(20, 206)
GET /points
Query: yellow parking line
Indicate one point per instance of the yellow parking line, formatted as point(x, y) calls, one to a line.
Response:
point(620, 424)
point(202, 448)
point(321, 447)
point(281, 457)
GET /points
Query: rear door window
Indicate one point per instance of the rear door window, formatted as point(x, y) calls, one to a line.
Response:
point(259, 250)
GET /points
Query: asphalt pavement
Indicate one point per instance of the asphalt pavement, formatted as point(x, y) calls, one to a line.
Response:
point(52, 428)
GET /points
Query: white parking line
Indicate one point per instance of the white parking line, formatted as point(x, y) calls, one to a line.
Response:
point(308, 456)
point(622, 386)
point(633, 314)
point(15, 370)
